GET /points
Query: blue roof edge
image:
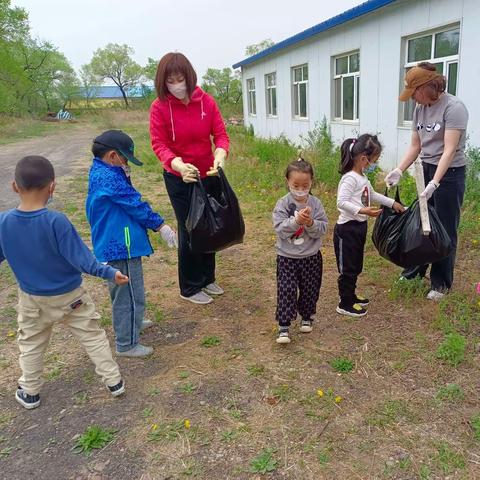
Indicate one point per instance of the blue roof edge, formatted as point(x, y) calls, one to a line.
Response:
point(353, 13)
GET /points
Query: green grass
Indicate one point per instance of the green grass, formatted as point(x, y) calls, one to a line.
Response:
point(389, 412)
point(18, 129)
point(458, 312)
point(264, 462)
point(408, 290)
point(448, 459)
point(94, 438)
point(450, 393)
point(188, 387)
point(343, 365)
point(208, 342)
point(256, 370)
point(452, 349)
point(282, 392)
point(475, 423)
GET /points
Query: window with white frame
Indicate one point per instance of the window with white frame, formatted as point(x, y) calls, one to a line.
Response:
point(300, 91)
point(251, 98)
point(346, 81)
point(271, 94)
point(439, 48)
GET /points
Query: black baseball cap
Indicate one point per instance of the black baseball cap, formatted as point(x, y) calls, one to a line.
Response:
point(119, 141)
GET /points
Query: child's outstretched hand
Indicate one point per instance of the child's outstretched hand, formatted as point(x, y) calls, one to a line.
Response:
point(398, 207)
point(169, 235)
point(120, 278)
point(370, 211)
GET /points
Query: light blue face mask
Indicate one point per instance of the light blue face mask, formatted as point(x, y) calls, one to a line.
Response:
point(371, 168)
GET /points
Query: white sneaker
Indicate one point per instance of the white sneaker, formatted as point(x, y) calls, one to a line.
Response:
point(435, 295)
point(138, 351)
point(146, 324)
point(200, 298)
point(214, 289)
point(306, 325)
point(283, 336)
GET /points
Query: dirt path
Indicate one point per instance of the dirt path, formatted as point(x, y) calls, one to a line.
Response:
point(65, 150)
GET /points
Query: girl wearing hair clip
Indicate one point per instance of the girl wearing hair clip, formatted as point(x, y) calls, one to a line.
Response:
point(300, 222)
point(354, 202)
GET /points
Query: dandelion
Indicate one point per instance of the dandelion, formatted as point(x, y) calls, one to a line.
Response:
point(320, 392)
point(186, 423)
point(154, 426)
point(338, 399)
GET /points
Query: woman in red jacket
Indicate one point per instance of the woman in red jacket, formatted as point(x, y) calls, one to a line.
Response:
point(183, 121)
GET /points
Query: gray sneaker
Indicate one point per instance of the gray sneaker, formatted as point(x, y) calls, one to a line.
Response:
point(214, 289)
point(146, 324)
point(200, 297)
point(138, 351)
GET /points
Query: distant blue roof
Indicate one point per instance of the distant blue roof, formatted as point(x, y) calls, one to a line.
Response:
point(344, 17)
point(114, 92)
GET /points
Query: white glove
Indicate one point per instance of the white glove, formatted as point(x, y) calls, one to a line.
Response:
point(393, 177)
point(189, 172)
point(429, 189)
point(169, 235)
point(219, 161)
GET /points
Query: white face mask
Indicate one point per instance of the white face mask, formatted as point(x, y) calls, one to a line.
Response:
point(298, 193)
point(178, 90)
point(126, 169)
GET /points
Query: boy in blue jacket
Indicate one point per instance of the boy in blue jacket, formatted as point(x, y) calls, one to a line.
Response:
point(48, 257)
point(119, 221)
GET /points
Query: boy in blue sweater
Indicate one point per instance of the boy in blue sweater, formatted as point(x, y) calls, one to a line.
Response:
point(119, 221)
point(48, 257)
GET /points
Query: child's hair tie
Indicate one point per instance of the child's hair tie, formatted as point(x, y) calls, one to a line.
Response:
point(354, 140)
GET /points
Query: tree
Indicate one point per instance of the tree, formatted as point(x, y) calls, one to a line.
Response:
point(224, 85)
point(90, 83)
point(150, 69)
point(34, 75)
point(258, 47)
point(47, 70)
point(114, 62)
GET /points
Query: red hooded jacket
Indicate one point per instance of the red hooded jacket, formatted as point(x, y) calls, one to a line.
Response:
point(179, 130)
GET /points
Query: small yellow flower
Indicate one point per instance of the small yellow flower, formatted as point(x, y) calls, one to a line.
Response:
point(154, 426)
point(474, 242)
point(338, 399)
point(11, 334)
point(320, 392)
point(187, 423)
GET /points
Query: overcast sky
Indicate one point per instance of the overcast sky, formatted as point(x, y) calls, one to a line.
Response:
point(212, 33)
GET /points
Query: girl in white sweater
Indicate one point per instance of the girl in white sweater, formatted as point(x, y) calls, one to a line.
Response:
point(354, 202)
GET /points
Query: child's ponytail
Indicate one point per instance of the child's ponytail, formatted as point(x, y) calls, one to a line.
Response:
point(347, 155)
point(365, 144)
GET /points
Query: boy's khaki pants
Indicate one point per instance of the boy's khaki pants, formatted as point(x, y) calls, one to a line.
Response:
point(75, 309)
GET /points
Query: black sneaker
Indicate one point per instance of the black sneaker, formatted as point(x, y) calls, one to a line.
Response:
point(283, 336)
point(354, 310)
point(306, 325)
point(362, 301)
point(117, 389)
point(26, 400)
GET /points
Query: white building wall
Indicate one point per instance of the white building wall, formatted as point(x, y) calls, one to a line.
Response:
point(378, 37)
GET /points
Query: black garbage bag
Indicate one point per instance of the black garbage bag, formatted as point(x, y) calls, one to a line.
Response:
point(214, 220)
point(399, 238)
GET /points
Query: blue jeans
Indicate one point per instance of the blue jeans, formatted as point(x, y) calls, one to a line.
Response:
point(128, 304)
point(447, 201)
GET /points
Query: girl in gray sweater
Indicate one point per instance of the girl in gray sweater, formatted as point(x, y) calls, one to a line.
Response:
point(300, 222)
